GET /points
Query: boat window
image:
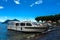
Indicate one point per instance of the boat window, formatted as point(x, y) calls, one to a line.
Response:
point(28, 24)
point(17, 24)
point(10, 24)
point(22, 24)
point(34, 23)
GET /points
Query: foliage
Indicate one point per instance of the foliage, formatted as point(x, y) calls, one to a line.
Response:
point(47, 18)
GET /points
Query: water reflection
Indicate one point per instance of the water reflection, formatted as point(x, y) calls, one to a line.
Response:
point(3, 32)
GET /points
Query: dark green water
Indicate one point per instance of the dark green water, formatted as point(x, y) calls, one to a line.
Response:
point(14, 35)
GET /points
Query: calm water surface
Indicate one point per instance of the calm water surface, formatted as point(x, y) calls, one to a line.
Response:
point(14, 35)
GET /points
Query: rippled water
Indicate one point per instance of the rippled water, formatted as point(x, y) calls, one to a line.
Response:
point(14, 35)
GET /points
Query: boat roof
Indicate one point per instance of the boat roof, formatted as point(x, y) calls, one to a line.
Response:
point(35, 23)
point(26, 22)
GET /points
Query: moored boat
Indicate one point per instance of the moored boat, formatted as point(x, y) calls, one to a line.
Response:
point(26, 26)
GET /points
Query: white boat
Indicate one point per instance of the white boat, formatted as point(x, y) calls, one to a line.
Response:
point(26, 26)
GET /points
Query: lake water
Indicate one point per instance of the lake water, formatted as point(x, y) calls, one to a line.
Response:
point(14, 35)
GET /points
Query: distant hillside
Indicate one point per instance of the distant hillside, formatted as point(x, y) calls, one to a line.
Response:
point(10, 20)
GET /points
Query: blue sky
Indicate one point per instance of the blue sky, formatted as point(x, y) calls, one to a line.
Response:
point(27, 9)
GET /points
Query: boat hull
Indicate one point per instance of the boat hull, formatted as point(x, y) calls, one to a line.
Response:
point(28, 29)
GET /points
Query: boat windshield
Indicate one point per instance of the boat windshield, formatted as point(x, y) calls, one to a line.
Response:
point(28, 24)
point(34, 23)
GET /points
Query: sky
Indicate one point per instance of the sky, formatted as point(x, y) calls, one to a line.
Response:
point(27, 9)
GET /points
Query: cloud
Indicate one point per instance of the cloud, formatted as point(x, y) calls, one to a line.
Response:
point(17, 1)
point(39, 2)
point(32, 5)
point(6, 17)
point(1, 7)
point(36, 3)
point(3, 18)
